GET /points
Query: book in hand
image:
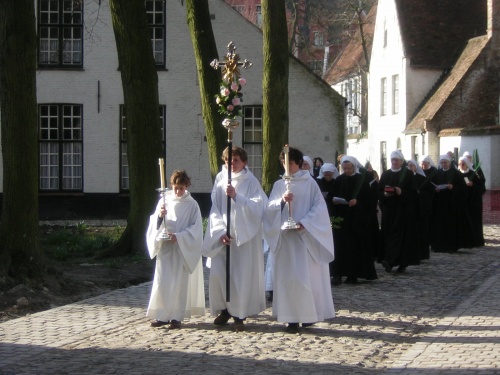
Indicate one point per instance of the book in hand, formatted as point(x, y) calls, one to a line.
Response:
point(440, 187)
point(339, 200)
point(389, 191)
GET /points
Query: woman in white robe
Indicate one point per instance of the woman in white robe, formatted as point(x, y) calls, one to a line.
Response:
point(178, 289)
point(302, 291)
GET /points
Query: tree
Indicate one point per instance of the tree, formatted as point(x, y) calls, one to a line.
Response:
point(275, 88)
point(205, 51)
point(20, 253)
point(335, 21)
point(140, 91)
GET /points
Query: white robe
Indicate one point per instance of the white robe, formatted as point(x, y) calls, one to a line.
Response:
point(302, 291)
point(247, 295)
point(178, 289)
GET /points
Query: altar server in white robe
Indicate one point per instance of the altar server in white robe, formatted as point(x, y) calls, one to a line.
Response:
point(178, 288)
point(302, 292)
point(248, 201)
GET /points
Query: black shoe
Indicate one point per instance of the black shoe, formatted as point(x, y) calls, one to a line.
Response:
point(305, 325)
point(401, 269)
point(292, 328)
point(158, 323)
point(387, 266)
point(270, 296)
point(238, 325)
point(336, 280)
point(174, 324)
point(223, 318)
point(351, 280)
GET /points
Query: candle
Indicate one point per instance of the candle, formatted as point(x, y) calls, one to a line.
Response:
point(287, 162)
point(162, 173)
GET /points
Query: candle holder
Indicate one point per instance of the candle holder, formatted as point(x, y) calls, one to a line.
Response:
point(163, 235)
point(290, 223)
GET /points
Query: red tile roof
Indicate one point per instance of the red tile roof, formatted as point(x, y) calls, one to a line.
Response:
point(435, 32)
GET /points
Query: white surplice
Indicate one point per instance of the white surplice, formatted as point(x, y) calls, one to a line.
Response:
point(247, 296)
point(178, 288)
point(302, 291)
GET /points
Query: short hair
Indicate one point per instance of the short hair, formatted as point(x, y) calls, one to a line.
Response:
point(238, 151)
point(293, 154)
point(180, 177)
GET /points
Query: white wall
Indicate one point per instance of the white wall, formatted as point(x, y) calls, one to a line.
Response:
point(385, 62)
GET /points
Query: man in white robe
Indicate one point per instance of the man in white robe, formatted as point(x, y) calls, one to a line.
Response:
point(302, 292)
point(178, 288)
point(248, 200)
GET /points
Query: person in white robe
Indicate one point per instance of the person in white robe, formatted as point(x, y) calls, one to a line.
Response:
point(302, 291)
point(178, 290)
point(248, 201)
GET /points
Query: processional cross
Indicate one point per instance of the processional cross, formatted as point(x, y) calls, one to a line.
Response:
point(230, 73)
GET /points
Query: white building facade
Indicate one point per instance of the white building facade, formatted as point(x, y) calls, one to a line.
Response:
point(80, 99)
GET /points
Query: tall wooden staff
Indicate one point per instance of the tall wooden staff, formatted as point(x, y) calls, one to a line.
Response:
point(229, 101)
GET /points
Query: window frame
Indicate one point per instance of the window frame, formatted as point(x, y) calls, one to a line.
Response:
point(250, 145)
point(318, 38)
point(62, 27)
point(154, 27)
point(383, 96)
point(59, 139)
point(395, 94)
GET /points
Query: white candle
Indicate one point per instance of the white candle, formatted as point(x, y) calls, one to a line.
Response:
point(162, 173)
point(287, 162)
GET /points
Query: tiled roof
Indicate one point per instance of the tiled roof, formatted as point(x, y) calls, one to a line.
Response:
point(469, 131)
point(461, 68)
point(352, 59)
point(435, 32)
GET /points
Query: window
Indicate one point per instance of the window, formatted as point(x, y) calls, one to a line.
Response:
point(383, 156)
point(60, 147)
point(155, 10)
point(239, 8)
point(383, 96)
point(124, 171)
point(385, 34)
point(395, 94)
point(315, 65)
point(353, 106)
point(258, 15)
point(60, 29)
point(318, 38)
point(414, 148)
point(252, 138)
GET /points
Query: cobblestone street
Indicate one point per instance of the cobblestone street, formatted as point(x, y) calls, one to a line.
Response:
point(438, 318)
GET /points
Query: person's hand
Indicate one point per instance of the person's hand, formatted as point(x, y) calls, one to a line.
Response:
point(470, 183)
point(450, 186)
point(163, 211)
point(397, 190)
point(353, 202)
point(173, 237)
point(288, 196)
point(231, 191)
point(225, 239)
point(300, 226)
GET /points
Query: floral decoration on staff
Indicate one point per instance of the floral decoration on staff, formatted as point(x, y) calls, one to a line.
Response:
point(230, 98)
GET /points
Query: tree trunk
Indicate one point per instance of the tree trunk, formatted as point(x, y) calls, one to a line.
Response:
point(205, 51)
point(140, 91)
point(20, 253)
point(275, 89)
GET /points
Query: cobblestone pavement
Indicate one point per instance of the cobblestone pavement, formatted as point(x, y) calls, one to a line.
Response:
point(438, 318)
